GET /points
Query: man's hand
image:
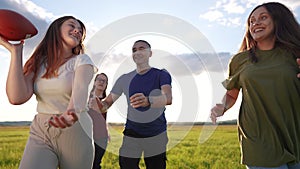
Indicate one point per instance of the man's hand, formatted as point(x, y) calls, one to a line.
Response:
point(139, 100)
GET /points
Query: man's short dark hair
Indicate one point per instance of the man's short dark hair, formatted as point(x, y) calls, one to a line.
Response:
point(148, 44)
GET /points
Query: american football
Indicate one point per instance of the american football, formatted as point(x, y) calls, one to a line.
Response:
point(15, 27)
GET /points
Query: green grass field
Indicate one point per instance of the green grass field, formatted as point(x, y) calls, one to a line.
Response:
point(185, 151)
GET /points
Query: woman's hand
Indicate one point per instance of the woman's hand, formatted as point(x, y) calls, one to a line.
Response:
point(67, 119)
point(12, 48)
point(228, 101)
point(98, 105)
point(217, 111)
point(93, 104)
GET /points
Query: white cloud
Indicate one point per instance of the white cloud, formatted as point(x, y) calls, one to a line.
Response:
point(233, 7)
point(235, 21)
point(251, 3)
point(217, 16)
point(291, 4)
point(92, 29)
point(212, 15)
point(226, 13)
point(230, 12)
point(34, 9)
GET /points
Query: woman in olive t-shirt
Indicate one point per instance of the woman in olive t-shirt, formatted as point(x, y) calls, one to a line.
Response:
point(267, 72)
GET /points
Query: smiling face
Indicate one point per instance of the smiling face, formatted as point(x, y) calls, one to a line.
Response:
point(261, 26)
point(71, 33)
point(141, 53)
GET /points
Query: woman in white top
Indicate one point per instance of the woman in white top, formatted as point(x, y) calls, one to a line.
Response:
point(58, 73)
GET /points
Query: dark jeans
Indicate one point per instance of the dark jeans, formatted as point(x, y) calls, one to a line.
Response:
point(100, 148)
point(153, 148)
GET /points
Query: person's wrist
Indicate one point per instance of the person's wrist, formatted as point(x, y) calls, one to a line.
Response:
point(225, 109)
point(104, 107)
point(150, 101)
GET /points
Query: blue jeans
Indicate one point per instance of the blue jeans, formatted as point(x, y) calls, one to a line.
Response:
point(285, 166)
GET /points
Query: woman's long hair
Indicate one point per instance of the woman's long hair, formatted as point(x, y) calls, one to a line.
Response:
point(93, 89)
point(286, 30)
point(48, 51)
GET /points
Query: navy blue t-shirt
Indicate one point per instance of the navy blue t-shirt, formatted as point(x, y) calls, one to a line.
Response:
point(145, 121)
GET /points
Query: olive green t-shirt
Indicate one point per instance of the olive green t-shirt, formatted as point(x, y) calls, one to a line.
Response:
point(269, 118)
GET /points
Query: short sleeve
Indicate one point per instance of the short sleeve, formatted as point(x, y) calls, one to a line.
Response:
point(122, 84)
point(117, 88)
point(165, 77)
point(84, 59)
point(236, 65)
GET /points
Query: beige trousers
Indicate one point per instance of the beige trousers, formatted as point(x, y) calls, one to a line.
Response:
point(51, 148)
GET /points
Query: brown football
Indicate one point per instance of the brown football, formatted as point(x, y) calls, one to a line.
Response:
point(15, 27)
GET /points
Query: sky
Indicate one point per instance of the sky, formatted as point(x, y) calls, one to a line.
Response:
point(192, 39)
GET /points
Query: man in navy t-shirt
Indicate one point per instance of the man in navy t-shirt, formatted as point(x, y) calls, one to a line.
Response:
point(148, 91)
